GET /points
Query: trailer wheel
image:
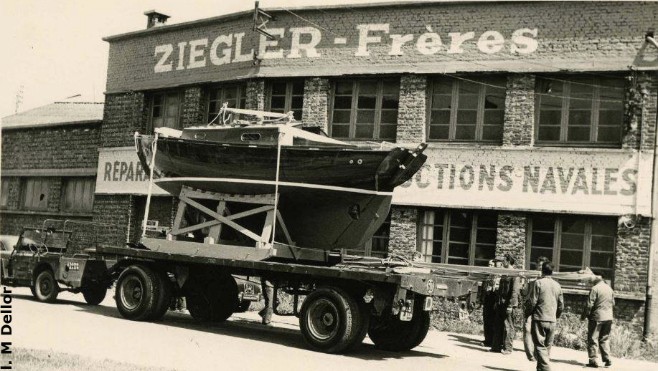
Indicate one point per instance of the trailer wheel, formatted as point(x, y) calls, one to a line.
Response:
point(211, 297)
point(164, 299)
point(45, 286)
point(94, 294)
point(137, 292)
point(391, 334)
point(243, 306)
point(331, 320)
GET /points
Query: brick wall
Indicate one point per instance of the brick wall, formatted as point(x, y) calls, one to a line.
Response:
point(404, 222)
point(519, 110)
point(619, 28)
point(114, 210)
point(61, 147)
point(632, 257)
point(315, 111)
point(124, 114)
point(412, 112)
point(511, 236)
point(255, 95)
point(193, 107)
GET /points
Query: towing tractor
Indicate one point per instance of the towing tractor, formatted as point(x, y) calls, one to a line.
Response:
point(49, 259)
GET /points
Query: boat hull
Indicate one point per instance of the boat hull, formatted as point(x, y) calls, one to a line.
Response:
point(379, 170)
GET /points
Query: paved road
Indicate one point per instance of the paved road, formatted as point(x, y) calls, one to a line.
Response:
point(179, 343)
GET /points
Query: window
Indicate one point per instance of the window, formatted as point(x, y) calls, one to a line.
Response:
point(234, 95)
point(573, 242)
point(467, 110)
point(165, 110)
point(286, 96)
point(378, 244)
point(365, 109)
point(4, 193)
point(35, 193)
point(579, 110)
point(78, 194)
point(458, 237)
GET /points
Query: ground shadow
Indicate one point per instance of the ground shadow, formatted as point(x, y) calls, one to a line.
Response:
point(289, 336)
point(569, 362)
point(466, 340)
point(499, 368)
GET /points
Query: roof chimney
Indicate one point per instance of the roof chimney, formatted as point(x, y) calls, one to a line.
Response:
point(155, 18)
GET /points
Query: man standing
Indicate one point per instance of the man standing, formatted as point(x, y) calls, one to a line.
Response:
point(488, 293)
point(526, 293)
point(599, 312)
point(508, 300)
point(547, 304)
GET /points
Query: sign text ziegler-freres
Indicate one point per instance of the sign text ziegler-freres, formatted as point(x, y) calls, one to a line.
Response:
point(534, 179)
point(304, 41)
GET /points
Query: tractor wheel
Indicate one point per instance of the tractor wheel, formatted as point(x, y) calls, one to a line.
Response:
point(45, 287)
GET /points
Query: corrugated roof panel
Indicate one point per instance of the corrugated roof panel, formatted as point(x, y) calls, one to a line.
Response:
point(57, 113)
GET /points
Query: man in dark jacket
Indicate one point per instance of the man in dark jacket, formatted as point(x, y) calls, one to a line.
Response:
point(547, 303)
point(599, 312)
point(507, 302)
point(488, 294)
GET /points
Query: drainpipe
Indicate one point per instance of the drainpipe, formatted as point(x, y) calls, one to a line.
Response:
point(654, 240)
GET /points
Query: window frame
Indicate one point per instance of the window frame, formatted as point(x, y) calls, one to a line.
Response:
point(456, 81)
point(557, 242)
point(367, 247)
point(354, 109)
point(4, 193)
point(165, 94)
point(88, 183)
point(241, 98)
point(474, 216)
point(44, 184)
point(565, 105)
point(288, 96)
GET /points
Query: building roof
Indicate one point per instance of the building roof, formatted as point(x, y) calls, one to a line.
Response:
point(55, 114)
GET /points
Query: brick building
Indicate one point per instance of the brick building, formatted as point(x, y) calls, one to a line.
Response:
point(49, 161)
point(540, 119)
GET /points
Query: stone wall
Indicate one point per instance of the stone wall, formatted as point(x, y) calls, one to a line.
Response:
point(404, 224)
point(412, 116)
point(255, 95)
point(519, 110)
point(315, 111)
point(193, 107)
point(124, 114)
point(511, 237)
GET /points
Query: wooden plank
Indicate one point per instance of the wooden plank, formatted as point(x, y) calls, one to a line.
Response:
point(216, 229)
point(282, 224)
point(179, 216)
point(223, 219)
point(265, 199)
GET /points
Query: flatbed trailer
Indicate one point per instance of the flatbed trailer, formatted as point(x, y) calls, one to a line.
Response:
point(338, 302)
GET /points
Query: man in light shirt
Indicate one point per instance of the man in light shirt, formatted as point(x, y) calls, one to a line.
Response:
point(547, 303)
point(599, 313)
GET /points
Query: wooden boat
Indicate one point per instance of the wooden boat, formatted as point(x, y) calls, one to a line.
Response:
point(332, 194)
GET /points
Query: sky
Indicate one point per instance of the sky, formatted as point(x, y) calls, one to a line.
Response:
point(53, 50)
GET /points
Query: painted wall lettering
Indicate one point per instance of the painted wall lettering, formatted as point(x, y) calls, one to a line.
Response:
point(307, 42)
point(533, 180)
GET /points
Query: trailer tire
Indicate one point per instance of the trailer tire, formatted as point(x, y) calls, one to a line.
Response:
point(94, 294)
point(331, 320)
point(164, 299)
point(137, 292)
point(45, 287)
point(391, 334)
point(211, 297)
point(243, 306)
